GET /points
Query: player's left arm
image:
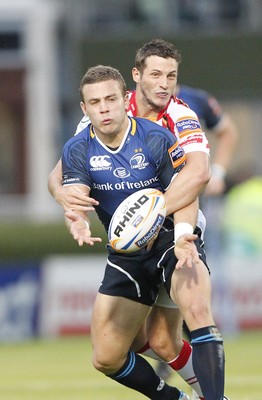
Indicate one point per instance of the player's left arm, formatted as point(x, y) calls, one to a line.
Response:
point(226, 140)
point(196, 173)
point(189, 182)
point(171, 164)
point(183, 176)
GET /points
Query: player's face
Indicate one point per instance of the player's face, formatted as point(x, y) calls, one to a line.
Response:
point(106, 107)
point(157, 83)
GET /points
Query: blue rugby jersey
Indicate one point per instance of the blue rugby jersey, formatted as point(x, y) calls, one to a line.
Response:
point(149, 156)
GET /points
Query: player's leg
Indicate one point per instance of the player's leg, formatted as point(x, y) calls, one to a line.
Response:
point(165, 325)
point(191, 290)
point(115, 322)
point(162, 334)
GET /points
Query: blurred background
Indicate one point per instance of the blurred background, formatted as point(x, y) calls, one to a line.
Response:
point(47, 283)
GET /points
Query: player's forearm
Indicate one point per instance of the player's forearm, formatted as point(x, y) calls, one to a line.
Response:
point(189, 182)
point(226, 143)
point(55, 179)
point(188, 214)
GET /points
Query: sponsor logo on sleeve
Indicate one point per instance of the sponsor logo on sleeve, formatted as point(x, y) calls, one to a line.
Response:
point(177, 155)
point(188, 124)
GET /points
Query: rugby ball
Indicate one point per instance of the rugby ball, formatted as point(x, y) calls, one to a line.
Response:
point(137, 220)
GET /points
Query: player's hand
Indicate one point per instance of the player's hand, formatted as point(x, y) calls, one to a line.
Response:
point(80, 229)
point(215, 187)
point(72, 198)
point(186, 251)
point(150, 243)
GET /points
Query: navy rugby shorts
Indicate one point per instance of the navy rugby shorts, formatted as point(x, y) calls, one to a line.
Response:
point(137, 275)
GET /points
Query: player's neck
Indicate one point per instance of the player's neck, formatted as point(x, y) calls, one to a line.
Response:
point(144, 108)
point(147, 113)
point(177, 89)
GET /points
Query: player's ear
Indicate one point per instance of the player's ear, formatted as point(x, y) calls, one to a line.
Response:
point(135, 75)
point(126, 99)
point(83, 107)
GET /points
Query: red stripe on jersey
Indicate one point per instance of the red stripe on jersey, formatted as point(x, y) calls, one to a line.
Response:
point(190, 132)
point(193, 139)
point(132, 103)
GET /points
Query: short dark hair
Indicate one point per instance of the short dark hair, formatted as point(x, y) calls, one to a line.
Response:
point(156, 47)
point(101, 73)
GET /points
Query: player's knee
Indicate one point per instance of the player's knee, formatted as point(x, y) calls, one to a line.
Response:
point(107, 364)
point(200, 312)
point(164, 347)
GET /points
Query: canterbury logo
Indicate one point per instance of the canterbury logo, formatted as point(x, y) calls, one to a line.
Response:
point(100, 161)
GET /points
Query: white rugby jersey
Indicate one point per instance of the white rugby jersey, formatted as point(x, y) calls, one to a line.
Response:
point(181, 120)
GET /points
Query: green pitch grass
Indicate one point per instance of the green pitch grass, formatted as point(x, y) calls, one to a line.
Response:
point(61, 370)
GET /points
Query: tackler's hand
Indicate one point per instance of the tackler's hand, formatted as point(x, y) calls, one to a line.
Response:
point(186, 251)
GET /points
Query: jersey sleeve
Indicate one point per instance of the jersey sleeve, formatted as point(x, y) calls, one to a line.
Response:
point(188, 130)
point(74, 167)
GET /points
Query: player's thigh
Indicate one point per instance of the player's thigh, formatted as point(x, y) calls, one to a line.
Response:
point(140, 342)
point(115, 323)
point(164, 323)
point(164, 330)
point(164, 315)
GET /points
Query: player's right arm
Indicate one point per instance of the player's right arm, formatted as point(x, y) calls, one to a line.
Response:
point(189, 184)
point(196, 173)
point(78, 225)
point(75, 176)
point(170, 161)
point(69, 197)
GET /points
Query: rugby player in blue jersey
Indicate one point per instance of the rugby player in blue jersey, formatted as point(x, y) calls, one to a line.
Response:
point(155, 73)
point(118, 312)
